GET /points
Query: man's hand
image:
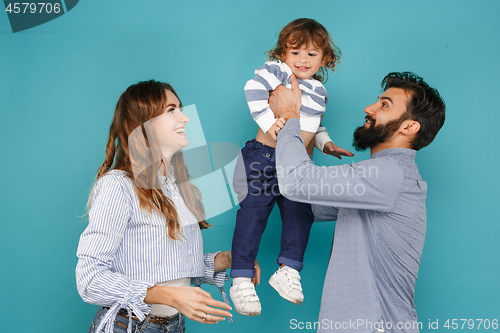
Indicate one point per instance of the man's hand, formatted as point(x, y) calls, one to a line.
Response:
point(277, 126)
point(331, 149)
point(285, 102)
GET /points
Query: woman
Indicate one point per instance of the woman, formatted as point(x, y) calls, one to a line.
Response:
point(142, 249)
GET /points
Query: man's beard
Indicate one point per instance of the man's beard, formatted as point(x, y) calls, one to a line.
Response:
point(365, 138)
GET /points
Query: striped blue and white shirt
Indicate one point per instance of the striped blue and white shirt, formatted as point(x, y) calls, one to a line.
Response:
point(126, 250)
point(270, 76)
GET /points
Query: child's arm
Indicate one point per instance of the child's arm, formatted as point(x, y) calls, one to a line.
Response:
point(326, 145)
point(266, 79)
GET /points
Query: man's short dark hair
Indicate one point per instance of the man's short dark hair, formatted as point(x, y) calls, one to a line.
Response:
point(425, 105)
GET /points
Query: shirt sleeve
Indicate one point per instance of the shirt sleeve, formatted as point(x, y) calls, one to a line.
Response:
point(371, 185)
point(324, 213)
point(266, 79)
point(322, 137)
point(314, 100)
point(210, 276)
point(97, 282)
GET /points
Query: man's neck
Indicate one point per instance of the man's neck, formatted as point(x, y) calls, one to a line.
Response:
point(389, 144)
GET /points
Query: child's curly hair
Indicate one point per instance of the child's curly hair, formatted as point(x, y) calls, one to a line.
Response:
point(304, 31)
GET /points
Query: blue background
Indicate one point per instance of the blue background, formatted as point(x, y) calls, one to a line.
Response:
point(60, 82)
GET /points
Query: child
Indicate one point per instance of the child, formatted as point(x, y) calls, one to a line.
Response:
point(304, 49)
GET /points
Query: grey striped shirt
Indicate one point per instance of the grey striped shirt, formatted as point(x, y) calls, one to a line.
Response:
point(379, 205)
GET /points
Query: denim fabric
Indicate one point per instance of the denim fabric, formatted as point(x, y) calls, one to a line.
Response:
point(176, 326)
point(256, 203)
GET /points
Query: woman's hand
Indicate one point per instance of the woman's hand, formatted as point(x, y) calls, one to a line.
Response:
point(222, 261)
point(193, 302)
point(256, 278)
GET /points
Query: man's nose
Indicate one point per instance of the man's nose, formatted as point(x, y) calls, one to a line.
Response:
point(371, 109)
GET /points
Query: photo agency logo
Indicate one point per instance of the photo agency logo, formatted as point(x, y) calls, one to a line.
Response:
point(26, 15)
point(210, 165)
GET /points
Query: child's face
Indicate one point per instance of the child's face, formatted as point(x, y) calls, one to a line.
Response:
point(304, 61)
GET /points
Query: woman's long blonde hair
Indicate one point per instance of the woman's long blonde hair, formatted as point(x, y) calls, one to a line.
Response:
point(140, 103)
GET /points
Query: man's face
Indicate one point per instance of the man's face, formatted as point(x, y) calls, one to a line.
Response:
point(383, 119)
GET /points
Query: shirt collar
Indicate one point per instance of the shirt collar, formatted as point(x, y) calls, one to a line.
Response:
point(396, 152)
point(169, 179)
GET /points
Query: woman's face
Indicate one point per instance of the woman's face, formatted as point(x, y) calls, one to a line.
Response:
point(169, 127)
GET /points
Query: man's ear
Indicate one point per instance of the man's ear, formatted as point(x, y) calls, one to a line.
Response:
point(410, 127)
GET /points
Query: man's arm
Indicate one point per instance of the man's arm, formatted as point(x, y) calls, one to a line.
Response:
point(372, 184)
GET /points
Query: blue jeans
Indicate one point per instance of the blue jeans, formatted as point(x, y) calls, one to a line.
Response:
point(256, 184)
point(176, 326)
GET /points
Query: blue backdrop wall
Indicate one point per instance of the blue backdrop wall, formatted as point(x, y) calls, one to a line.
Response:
point(60, 82)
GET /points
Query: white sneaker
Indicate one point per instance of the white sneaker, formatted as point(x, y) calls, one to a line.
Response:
point(286, 281)
point(244, 297)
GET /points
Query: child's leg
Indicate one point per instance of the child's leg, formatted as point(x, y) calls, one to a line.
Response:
point(297, 219)
point(257, 167)
point(257, 187)
point(251, 222)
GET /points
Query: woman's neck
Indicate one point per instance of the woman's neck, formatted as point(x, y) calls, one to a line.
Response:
point(165, 167)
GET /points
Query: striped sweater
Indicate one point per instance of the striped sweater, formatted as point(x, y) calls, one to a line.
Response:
point(270, 76)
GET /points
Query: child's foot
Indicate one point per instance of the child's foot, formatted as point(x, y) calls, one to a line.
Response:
point(244, 297)
point(286, 281)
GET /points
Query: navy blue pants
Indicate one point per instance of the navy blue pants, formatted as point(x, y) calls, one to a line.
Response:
point(256, 184)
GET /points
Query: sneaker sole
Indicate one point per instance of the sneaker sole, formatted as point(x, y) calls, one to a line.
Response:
point(253, 314)
point(276, 287)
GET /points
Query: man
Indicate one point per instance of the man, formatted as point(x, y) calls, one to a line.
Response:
point(379, 205)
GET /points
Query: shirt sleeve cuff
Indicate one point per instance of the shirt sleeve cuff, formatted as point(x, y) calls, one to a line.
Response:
point(210, 276)
point(322, 138)
point(292, 127)
point(133, 302)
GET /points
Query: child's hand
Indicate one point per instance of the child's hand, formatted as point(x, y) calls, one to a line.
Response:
point(331, 149)
point(275, 129)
